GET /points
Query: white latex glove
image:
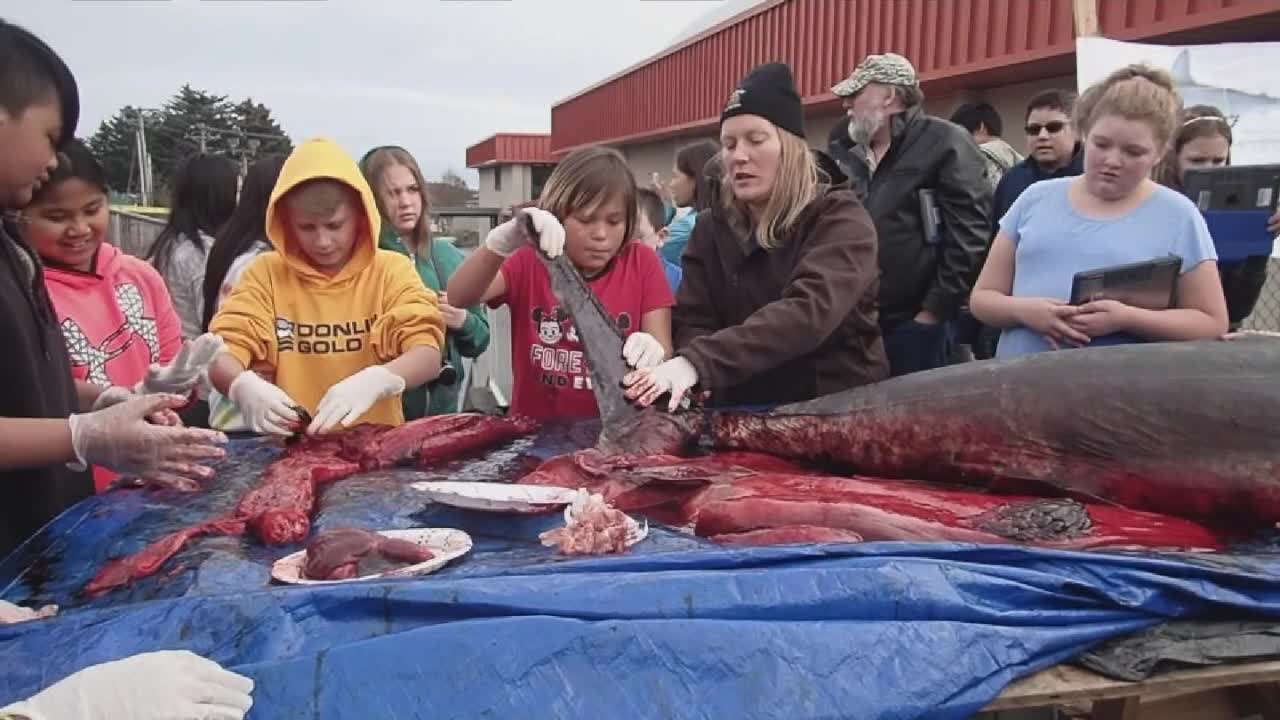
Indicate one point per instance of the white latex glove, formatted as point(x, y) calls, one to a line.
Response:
point(642, 350)
point(165, 685)
point(676, 376)
point(265, 407)
point(113, 395)
point(10, 613)
point(510, 236)
point(120, 438)
point(186, 369)
point(347, 400)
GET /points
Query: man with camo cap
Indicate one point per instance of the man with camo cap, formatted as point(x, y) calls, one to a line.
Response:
point(910, 164)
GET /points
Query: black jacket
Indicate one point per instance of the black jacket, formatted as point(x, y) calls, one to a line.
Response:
point(37, 383)
point(926, 153)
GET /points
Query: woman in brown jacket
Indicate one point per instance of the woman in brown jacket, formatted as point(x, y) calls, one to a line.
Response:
point(778, 302)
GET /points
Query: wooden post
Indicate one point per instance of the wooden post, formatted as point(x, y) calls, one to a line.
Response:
point(1086, 17)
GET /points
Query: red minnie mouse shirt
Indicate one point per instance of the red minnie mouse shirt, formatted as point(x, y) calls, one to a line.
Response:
point(551, 379)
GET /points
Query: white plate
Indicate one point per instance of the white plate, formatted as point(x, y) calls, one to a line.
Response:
point(448, 545)
point(496, 497)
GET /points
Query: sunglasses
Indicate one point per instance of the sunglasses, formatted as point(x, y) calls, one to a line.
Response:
point(1054, 127)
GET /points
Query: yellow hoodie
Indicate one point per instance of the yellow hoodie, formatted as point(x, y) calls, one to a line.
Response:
point(311, 330)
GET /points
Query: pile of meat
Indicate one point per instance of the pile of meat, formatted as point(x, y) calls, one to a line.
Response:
point(592, 528)
point(278, 510)
point(349, 553)
point(745, 498)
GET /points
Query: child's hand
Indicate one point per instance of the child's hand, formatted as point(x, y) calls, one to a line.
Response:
point(642, 350)
point(266, 408)
point(181, 375)
point(676, 376)
point(1101, 317)
point(510, 236)
point(550, 238)
point(454, 318)
point(347, 400)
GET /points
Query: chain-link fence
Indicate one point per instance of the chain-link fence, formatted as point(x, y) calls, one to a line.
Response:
point(1266, 314)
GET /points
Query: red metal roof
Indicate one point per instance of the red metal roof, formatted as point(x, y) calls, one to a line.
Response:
point(954, 44)
point(511, 149)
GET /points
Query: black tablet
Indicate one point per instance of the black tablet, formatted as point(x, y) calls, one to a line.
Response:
point(1234, 187)
point(1149, 285)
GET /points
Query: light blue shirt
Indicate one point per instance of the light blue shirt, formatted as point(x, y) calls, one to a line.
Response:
point(1054, 242)
point(678, 234)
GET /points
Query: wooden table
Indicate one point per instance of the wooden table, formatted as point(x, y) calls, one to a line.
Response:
point(1225, 691)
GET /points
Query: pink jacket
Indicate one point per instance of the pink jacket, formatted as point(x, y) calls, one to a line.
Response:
point(117, 320)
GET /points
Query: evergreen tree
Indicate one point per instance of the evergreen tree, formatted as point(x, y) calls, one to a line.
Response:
point(176, 132)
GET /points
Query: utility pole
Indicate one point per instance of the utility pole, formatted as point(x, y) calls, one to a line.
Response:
point(144, 159)
point(245, 147)
point(204, 137)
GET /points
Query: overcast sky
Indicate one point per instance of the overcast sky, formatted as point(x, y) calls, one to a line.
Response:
point(432, 75)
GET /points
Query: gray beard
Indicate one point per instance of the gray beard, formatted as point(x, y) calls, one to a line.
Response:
point(861, 128)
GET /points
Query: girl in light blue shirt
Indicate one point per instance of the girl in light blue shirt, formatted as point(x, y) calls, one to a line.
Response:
point(690, 188)
point(1114, 214)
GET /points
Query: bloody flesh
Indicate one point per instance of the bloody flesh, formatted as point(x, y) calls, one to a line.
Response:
point(738, 493)
point(788, 535)
point(483, 432)
point(278, 510)
point(593, 528)
point(1186, 429)
point(350, 552)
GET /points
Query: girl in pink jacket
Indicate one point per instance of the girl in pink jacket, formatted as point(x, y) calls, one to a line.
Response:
point(114, 310)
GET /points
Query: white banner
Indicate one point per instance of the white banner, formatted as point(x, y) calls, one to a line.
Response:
point(1240, 79)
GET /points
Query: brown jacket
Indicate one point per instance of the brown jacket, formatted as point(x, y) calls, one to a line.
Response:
point(787, 325)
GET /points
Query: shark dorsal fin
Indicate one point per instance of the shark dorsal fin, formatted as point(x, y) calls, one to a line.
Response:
point(1182, 70)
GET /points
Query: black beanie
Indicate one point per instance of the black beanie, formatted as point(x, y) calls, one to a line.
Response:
point(768, 91)
point(64, 83)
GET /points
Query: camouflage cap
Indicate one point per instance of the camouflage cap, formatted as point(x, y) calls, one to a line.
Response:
point(889, 68)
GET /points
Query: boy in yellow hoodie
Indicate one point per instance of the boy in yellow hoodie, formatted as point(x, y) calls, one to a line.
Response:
point(338, 327)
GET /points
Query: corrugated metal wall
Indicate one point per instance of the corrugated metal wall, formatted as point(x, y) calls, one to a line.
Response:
point(952, 42)
point(511, 149)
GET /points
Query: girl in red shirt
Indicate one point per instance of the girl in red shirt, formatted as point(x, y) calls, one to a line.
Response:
point(588, 211)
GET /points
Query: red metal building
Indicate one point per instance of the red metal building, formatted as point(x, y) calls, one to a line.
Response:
point(524, 148)
point(955, 45)
point(513, 167)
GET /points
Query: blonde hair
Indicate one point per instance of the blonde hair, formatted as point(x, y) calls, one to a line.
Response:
point(376, 166)
point(585, 179)
point(1137, 92)
point(795, 186)
point(319, 198)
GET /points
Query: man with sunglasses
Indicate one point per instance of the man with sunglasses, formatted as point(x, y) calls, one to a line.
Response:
point(1052, 152)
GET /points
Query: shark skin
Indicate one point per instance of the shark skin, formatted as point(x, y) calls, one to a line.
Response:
point(1185, 429)
point(1182, 428)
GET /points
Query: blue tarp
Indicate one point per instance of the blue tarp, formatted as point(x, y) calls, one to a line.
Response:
point(677, 628)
